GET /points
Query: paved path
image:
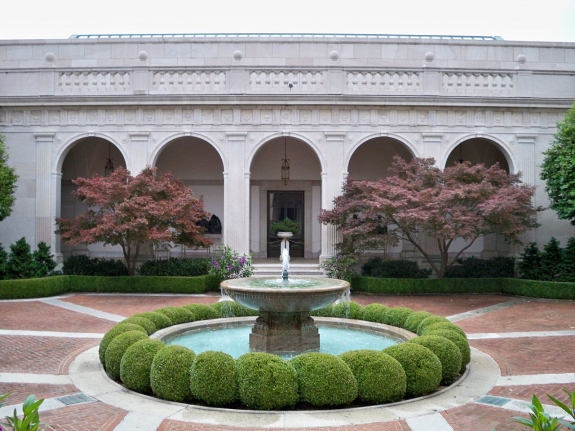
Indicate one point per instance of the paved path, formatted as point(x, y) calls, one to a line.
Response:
point(531, 341)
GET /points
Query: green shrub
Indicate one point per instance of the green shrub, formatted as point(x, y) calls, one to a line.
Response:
point(213, 378)
point(187, 285)
point(324, 380)
point(347, 310)
point(170, 373)
point(397, 316)
point(446, 351)
point(266, 382)
point(380, 378)
point(20, 263)
point(3, 261)
point(147, 324)
point(461, 343)
point(374, 312)
point(34, 287)
point(323, 312)
point(232, 309)
point(202, 312)
point(211, 283)
point(443, 325)
point(474, 267)
point(114, 332)
point(414, 319)
point(538, 289)
point(83, 265)
point(117, 348)
point(43, 261)
point(381, 268)
point(406, 286)
point(136, 365)
point(422, 367)
point(428, 321)
point(159, 320)
point(175, 267)
point(177, 315)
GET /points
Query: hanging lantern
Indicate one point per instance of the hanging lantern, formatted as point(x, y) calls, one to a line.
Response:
point(109, 168)
point(285, 165)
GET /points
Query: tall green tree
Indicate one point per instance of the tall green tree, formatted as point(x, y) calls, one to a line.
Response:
point(8, 180)
point(558, 168)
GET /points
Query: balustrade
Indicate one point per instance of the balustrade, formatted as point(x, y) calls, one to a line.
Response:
point(292, 81)
point(471, 83)
point(189, 82)
point(382, 82)
point(95, 82)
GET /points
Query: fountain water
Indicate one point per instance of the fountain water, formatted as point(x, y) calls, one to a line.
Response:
point(284, 324)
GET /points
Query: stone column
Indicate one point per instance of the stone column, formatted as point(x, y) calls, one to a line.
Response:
point(331, 182)
point(236, 229)
point(432, 146)
point(138, 158)
point(45, 191)
point(526, 165)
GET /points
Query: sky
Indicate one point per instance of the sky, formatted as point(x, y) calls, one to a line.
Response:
point(528, 20)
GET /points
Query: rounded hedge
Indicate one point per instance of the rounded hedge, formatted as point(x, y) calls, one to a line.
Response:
point(443, 325)
point(380, 378)
point(428, 321)
point(170, 373)
point(422, 367)
point(324, 379)
point(323, 312)
point(177, 315)
point(113, 333)
point(136, 364)
point(117, 348)
point(213, 378)
point(397, 316)
point(461, 343)
point(232, 309)
point(415, 319)
point(266, 382)
point(147, 324)
point(202, 311)
point(374, 312)
point(348, 310)
point(160, 320)
point(446, 351)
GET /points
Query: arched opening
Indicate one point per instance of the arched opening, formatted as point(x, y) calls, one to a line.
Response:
point(373, 158)
point(272, 200)
point(478, 150)
point(87, 157)
point(198, 164)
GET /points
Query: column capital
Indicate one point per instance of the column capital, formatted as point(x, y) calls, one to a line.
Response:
point(44, 137)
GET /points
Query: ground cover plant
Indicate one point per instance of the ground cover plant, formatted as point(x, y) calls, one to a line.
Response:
point(263, 381)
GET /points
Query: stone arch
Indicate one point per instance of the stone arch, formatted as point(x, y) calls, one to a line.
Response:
point(71, 143)
point(496, 143)
point(364, 152)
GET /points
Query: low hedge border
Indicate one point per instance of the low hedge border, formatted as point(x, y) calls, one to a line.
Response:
point(320, 403)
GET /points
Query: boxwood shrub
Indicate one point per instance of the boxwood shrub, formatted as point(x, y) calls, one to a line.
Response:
point(428, 321)
point(422, 367)
point(202, 311)
point(414, 319)
point(443, 325)
point(136, 364)
point(324, 380)
point(170, 373)
point(374, 312)
point(380, 378)
point(114, 332)
point(116, 350)
point(145, 323)
point(323, 312)
point(160, 320)
point(447, 353)
point(397, 316)
point(177, 315)
point(266, 382)
point(174, 266)
point(213, 378)
point(347, 310)
point(461, 343)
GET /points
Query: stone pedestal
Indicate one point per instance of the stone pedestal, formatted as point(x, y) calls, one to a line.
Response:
point(282, 333)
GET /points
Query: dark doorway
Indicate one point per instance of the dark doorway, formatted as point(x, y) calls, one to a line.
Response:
point(281, 205)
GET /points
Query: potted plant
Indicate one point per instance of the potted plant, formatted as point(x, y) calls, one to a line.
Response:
point(286, 226)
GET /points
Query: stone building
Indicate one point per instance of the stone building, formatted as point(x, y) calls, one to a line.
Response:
point(222, 111)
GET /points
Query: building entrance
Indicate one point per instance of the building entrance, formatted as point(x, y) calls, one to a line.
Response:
point(281, 205)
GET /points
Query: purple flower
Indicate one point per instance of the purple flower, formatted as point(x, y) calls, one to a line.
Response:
point(339, 256)
point(215, 264)
point(243, 260)
point(230, 267)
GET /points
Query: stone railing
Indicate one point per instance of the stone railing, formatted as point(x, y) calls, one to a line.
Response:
point(359, 82)
point(286, 81)
point(188, 81)
point(472, 83)
point(95, 82)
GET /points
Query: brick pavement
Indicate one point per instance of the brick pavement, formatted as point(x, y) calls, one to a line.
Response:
point(516, 357)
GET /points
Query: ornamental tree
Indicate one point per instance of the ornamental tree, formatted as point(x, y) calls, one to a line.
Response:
point(8, 180)
point(463, 201)
point(129, 211)
point(558, 168)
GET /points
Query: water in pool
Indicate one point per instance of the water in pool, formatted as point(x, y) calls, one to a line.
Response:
point(235, 341)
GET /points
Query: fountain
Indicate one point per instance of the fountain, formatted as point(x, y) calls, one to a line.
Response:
point(284, 324)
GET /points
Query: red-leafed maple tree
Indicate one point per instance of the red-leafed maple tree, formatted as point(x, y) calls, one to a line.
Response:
point(462, 201)
point(131, 210)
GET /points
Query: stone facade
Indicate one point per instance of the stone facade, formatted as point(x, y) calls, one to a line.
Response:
point(222, 112)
